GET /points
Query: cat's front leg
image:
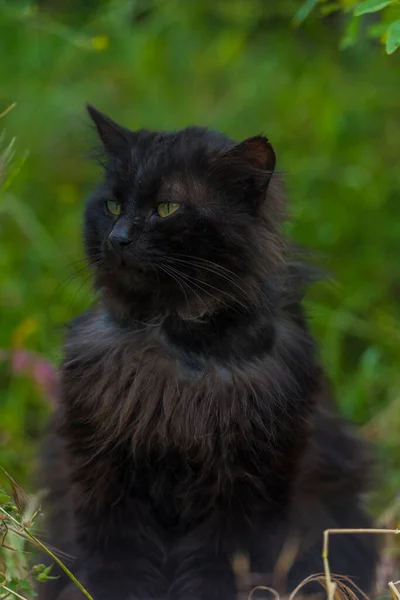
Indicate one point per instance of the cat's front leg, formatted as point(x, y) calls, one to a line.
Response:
point(116, 589)
point(121, 553)
point(202, 572)
point(112, 576)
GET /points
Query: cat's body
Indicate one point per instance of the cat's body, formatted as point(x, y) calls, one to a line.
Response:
point(192, 423)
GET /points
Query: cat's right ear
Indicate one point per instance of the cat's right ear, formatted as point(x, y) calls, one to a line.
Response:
point(115, 139)
point(252, 160)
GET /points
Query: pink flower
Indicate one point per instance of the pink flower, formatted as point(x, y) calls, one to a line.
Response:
point(38, 368)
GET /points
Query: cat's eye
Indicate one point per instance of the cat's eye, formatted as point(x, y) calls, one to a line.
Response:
point(114, 208)
point(165, 209)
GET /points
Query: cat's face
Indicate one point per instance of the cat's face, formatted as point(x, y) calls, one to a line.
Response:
point(179, 224)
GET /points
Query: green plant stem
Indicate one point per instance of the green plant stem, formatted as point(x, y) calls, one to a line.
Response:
point(42, 546)
point(4, 587)
point(60, 564)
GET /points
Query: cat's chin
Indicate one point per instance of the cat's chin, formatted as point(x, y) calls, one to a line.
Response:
point(124, 281)
point(129, 290)
point(142, 297)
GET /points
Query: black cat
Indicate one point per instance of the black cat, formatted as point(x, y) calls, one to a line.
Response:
point(194, 421)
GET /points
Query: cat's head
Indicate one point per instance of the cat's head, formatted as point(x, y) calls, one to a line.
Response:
point(184, 222)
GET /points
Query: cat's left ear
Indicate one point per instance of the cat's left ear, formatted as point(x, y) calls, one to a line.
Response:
point(253, 159)
point(116, 139)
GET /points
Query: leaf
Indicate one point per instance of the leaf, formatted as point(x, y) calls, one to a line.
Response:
point(351, 34)
point(329, 9)
point(16, 585)
point(21, 498)
point(371, 6)
point(393, 37)
point(19, 585)
point(4, 497)
point(304, 11)
point(377, 31)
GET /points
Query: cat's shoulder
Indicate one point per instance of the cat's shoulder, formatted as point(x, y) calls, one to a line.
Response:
point(92, 322)
point(94, 337)
point(91, 333)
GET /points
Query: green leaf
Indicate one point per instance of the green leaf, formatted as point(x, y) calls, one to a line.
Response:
point(351, 34)
point(393, 37)
point(329, 9)
point(304, 11)
point(4, 497)
point(371, 6)
point(20, 585)
point(377, 31)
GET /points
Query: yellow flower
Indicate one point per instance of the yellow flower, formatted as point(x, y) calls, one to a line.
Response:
point(100, 42)
point(25, 329)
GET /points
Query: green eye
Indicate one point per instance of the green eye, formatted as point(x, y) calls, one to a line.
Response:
point(114, 208)
point(165, 209)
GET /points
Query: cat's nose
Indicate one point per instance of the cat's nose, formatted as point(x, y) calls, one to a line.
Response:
point(119, 239)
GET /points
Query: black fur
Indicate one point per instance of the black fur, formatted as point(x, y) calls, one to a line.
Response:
point(193, 422)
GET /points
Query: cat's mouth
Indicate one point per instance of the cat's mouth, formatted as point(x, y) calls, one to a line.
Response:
point(132, 268)
point(124, 259)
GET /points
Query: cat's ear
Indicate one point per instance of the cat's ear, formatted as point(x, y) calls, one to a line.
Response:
point(253, 159)
point(257, 152)
point(115, 139)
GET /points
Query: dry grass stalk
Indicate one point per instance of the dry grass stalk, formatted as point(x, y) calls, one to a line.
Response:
point(331, 585)
point(7, 110)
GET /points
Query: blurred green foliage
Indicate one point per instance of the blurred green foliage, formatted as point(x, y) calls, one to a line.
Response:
point(386, 27)
point(325, 94)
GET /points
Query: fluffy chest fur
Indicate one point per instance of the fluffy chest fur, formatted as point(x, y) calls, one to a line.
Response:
point(141, 412)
